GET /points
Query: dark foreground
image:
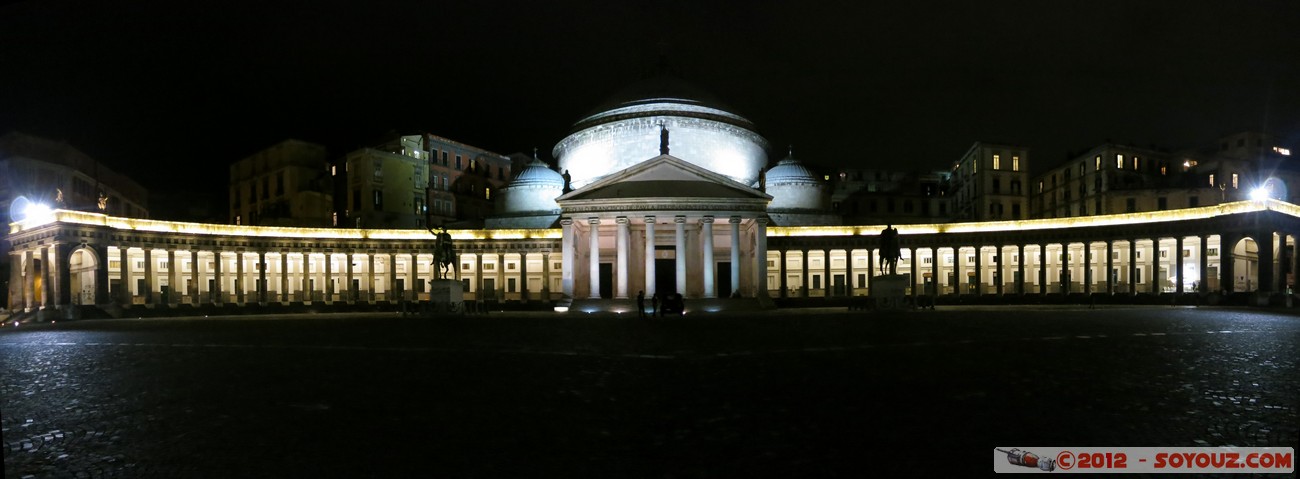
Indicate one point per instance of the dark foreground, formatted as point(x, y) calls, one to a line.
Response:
point(787, 394)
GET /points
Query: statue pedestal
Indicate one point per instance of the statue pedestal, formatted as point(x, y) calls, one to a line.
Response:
point(890, 291)
point(446, 296)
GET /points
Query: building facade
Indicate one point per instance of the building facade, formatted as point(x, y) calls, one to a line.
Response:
point(288, 184)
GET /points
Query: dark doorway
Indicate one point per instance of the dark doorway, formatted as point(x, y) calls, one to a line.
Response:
point(724, 279)
point(399, 287)
point(665, 276)
point(837, 282)
point(606, 280)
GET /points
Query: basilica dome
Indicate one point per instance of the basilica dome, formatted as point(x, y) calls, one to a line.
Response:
point(625, 131)
point(532, 190)
point(794, 187)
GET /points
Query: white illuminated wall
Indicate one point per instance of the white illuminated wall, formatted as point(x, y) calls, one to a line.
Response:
point(610, 147)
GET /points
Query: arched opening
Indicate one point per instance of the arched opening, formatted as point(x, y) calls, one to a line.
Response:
point(1245, 265)
point(82, 265)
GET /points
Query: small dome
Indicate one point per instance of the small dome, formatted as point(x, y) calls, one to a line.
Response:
point(790, 171)
point(537, 173)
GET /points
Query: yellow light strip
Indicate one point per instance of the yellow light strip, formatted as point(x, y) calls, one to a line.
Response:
point(1237, 207)
point(135, 224)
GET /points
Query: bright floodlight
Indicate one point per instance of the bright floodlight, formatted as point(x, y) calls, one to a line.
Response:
point(1259, 194)
point(36, 210)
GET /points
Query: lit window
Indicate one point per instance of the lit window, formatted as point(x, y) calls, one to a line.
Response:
point(1211, 179)
point(1097, 160)
point(1135, 162)
point(487, 193)
point(1234, 180)
point(1119, 162)
point(997, 162)
point(1282, 151)
point(1164, 170)
point(332, 170)
point(1015, 163)
point(828, 177)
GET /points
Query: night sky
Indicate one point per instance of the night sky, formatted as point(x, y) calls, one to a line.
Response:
point(155, 88)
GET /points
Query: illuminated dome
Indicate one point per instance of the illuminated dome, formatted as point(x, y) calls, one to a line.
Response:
point(794, 187)
point(625, 131)
point(532, 190)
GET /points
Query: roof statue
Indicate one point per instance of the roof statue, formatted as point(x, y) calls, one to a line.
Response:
point(663, 139)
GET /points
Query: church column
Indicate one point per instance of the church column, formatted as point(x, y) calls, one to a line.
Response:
point(523, 276)
point(735, 254)
point(593, 278)
point(1204, 262)
point(804, 283)
point(706, 237)
point(173, 278)
point(760, 244)
point(826, 273)
point(284, 277)
point(329, 277)
point(306, 292)
point(413, 276)
point(680, 223)
point(1042, 268)
point(546, 276)
point(783, 271)
point(649, 256)
point(261, 277)
point(218, 290)
point(1110, 266)
point(370, 276)
point(1087, 267)
point(979, 271)
point(915, 273)
point(193, 290)
point(848, 270)
point(478, 278)
point(934, 272)
point(347, 282)
point(958, 273)
point(1266, 260)
point(240, 288)
point(1132, 266)
point(390, 290)
point(621, 241)
point(47, 278)
point(148, 273)
point(1178, 263)
point(566, 257)
point(1020, 268)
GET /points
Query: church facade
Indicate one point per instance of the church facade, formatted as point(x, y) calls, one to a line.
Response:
point(657, 193)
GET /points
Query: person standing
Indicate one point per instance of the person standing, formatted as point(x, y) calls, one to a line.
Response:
point(654, 305)
point(640, 304)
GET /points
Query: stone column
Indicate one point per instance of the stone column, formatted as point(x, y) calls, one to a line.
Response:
point(351, 289)
point(593, 276)
point(1266, 260)
point(958, 273)
point(784, 293)
point(1132, 266)
point(735, 254)
point(284, 277)
point(523, 276)
point(261, 278)
point(1000, 270)
point(47, 279)
point(760, 245)
point(1178, 264)
point(567, 245)
point(1204, 284)
point(1110, 266)
point(329, 277)
point(413, 277)
point(804, 286)
point(307, 293)
point(706, 237)
point(124, 271)
point(240, 287)
point(1042, 269)
point(621, 238)
point(1087, 267)
point(217, 294)
point(370, 276)
point(478, 278)
point(826, 273)
point(848, 270)
point(193, 290)
point(915, 273)
point(680, 233)
point(546, 276)
point(934, 271)
point(29, 281)
point(390, 292)
point(148, 275)
point(649, 256)
point(1020, 268)
point(979, 271)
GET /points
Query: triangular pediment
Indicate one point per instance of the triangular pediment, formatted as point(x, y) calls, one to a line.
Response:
point(664, 176)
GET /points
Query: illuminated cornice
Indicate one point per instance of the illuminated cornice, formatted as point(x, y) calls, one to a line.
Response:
point(155, 226)
point(1126, 219)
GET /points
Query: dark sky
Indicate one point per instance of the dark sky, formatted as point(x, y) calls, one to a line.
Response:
point(155, 88)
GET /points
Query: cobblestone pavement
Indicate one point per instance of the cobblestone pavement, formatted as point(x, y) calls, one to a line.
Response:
point(815, 393)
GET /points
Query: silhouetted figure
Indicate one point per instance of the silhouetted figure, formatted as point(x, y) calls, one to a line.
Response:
point(654, 304)
point(889, 250)
point(640, 304)
point(663, 139)
point(567, 186)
